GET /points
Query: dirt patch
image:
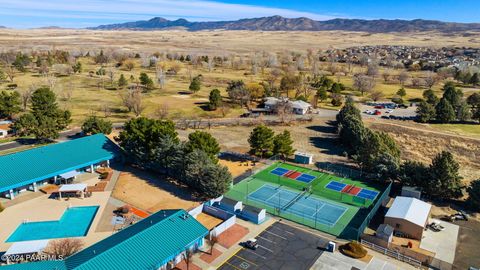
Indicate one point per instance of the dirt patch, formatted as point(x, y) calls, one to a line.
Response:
point(238, 166)
point(151, 192)
point(208, 221)
point(231, 236)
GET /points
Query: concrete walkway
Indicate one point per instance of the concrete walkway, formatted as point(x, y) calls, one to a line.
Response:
point(254, 230)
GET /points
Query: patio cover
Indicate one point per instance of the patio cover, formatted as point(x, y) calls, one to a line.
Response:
point(27, 247)
point(73, 187)
point(69, 175)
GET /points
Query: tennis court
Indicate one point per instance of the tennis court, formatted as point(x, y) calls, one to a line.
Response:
point(292, 174)
point(313, 198)
point(353, 190)
point(299, 203)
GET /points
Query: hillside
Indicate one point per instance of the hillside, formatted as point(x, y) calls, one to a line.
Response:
point(278, 23)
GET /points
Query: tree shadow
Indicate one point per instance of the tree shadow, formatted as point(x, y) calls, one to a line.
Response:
point(327, 140)
point(162, 182)
point(185, 93)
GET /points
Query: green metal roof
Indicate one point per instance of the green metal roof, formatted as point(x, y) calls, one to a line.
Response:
point(43, 265)
point(40, 163)
point(148, 244)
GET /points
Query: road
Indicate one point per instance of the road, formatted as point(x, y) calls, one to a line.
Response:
point(64, 136)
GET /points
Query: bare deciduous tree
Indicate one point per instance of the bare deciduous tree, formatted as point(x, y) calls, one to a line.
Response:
point(63, 248)
point(403, 77)
point(162, 111)
point(161, 77)
point(26, 95)
point(132, 99)
point(376, 95)
point(431, 80)
point(363, 83)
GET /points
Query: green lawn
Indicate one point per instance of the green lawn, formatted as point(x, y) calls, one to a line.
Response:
point(461, 129)
point(353, 216)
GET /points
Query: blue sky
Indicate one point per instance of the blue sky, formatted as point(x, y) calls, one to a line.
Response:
point(85, 13)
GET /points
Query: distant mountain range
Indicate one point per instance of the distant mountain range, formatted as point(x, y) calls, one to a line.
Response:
point(278, 23)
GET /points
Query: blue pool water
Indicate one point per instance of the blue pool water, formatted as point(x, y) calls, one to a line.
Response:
point(74, 222)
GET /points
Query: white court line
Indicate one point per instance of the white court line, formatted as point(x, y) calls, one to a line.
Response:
point(276, 235)
point(255, 253)
point(266, 239)
point(267, 249)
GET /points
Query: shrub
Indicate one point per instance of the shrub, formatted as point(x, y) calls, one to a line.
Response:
point(103, 175)
point(353, 249)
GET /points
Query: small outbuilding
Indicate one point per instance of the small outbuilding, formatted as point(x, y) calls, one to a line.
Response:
point(253, 214)
point(413, 192)
point(300, 107)
point(408, 216)
point(229, 205)
point(385, 232)
point(77, 190)
point(303, 158)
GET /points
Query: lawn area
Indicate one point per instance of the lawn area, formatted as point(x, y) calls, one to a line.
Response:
point(460, 129)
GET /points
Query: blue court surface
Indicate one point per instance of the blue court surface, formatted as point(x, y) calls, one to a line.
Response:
point(367, 194)
point(299, 204)
point(279, 171)
point(335, 186)
point(307, 178)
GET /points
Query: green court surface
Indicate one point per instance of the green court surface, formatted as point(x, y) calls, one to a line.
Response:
point(355, 209)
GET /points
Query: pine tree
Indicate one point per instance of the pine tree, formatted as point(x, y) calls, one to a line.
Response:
point(122, 82)
point(261, 141)
point(282, 144)
point(445, 112)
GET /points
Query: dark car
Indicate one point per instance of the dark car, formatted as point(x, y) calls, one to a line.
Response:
point(250, 244)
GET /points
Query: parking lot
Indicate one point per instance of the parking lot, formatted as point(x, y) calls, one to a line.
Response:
point(396, 114)
point(279, 247)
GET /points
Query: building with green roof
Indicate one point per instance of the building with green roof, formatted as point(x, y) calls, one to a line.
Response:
point(157, 242)
point(29, 169)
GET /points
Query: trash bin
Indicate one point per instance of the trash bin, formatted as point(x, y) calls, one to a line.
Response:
point(331, 246)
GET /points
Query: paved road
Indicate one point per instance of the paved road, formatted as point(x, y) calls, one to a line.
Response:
point(64, 136)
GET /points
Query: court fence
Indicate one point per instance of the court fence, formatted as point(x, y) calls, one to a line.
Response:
point(354, 232)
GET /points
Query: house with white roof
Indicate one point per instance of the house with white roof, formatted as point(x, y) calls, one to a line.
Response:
point(408, 216)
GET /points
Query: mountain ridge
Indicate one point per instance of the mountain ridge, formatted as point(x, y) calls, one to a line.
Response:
point(278, 23)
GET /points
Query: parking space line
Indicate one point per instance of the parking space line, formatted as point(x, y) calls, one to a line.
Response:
point(255, 254)
point(275, 227)
point(227, 259)
point(267, 249)
point(267, 239)
point(276, 235)
point(241, 258)
point(233, 266)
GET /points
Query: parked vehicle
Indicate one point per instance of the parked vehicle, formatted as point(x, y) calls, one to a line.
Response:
point(250, 244)
point(436, 227)
point(377, 112)
point(379, 107)
point(389, 111)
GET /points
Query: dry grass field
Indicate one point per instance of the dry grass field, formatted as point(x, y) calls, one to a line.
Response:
point(220, 41)
point(150, 193)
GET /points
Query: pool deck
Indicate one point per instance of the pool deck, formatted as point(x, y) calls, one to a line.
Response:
point(45, 209)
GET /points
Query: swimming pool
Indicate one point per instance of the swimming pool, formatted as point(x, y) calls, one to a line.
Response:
point(74, 222)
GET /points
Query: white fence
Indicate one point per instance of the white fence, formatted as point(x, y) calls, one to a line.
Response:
point(196, 211)
point(223, 226)
point(392, 254)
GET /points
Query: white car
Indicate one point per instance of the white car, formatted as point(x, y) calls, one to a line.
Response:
point(370, 112)
point(389, 111)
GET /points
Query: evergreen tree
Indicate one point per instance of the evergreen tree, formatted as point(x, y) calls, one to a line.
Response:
point(9, 104)
point(401, 92)
point(200, 140)
point(214, 99)
point(425, 112)
point(474, 195)
point(414, 173)
point(261, 141)
point(444, 111)
point(45, 119)
point(430, 97)
point(322, 94)
point(445, 183)
point(282, 144)
point(122, 81)
point(452, 95)
point(95, 125)
point(196, 84)
point(146, 81)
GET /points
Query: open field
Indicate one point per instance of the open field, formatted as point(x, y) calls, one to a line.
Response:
point(148, 192)
point(220, 41)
